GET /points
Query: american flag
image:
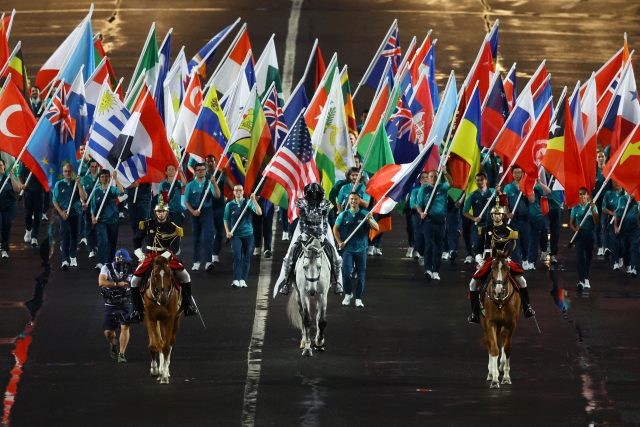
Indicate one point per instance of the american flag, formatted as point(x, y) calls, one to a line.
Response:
point(275, 117)
point(59, 116)
point(293, 165)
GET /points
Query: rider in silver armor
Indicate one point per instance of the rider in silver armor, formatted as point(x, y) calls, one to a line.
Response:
point(313, 213)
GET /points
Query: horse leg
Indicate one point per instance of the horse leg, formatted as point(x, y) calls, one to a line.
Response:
point(166, 330)
point(321, 321)
point(153, 346)
point(306, 324)
point(505, 356)
point(494, 374)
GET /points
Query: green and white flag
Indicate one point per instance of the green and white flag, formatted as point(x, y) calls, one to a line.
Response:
point(267, 71)
point(148, 61)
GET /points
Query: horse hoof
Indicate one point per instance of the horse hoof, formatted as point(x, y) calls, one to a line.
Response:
point(307, 352)
point(318, 348)
point(506, 381)
point(164, 380)
point(153, 373)
point(494, 384)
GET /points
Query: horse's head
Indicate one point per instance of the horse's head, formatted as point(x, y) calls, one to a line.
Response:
point(499, 278)
point(312, 260)
point(161, 280)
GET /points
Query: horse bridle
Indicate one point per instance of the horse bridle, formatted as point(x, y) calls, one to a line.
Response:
point(158, 293)
point(500, 302)
point(317, 253)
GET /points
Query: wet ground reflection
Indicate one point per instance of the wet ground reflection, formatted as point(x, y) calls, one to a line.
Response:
point(23, 340)
point(314, 401)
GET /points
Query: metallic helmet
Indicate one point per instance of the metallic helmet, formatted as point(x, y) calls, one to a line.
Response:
point(313, 193)
point(163, 204)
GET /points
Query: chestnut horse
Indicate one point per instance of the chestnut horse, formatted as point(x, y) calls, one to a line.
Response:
point(501, 309)
point(161, 306)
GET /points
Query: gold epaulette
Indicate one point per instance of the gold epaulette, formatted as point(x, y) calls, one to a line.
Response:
point(179, 230)
point(513, 234)
point(141, 225)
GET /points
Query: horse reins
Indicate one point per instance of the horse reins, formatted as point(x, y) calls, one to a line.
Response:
point(155, 297)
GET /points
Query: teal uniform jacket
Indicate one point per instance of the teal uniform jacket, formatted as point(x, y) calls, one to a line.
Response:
point(62, 192)
point(347, 221)
point(175, 198)
point(512, 190)
point(477, 201)
point(578, 212)
point(360, 188)
point(109, 213)
point(195, 191)
point(232, 212)
point(630, 220)
point(438, 208)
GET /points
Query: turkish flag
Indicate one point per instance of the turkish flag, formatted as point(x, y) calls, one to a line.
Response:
point(16, 120)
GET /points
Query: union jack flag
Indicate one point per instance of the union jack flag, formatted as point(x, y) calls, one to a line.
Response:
point(403, 117)
point(275, 117)
point(392, 50)
point(60, 117)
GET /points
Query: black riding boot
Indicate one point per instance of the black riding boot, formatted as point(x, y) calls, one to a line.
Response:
point(187, 307)
point(526, 306)
point(283, 286)
point(137, 314)
point(475, 307)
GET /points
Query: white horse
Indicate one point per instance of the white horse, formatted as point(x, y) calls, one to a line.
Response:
point(312, 282)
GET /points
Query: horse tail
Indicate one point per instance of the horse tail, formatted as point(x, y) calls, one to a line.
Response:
point(293, 310)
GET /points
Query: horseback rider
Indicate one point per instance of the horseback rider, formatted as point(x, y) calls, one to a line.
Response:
point(162, 238)
point(314, 211)
point(498, 238)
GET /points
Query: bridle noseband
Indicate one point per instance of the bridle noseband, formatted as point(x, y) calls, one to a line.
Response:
point(311, 253)
point(158, 293)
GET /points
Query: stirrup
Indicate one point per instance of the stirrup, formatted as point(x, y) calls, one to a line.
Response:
point(473, 318)
point(284, 289)
point(528, 311)
point(337, 289)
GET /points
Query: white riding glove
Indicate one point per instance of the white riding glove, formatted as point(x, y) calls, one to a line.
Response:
point(166, 254)
point(138, 252)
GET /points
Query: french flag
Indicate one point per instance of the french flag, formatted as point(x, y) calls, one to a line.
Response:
point(392, 183)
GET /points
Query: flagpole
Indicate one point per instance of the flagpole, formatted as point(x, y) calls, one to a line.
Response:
point(164, 41)
point(137, 85)
point(309, 61)
point(10, 58)
point(375, 56)
point(118, 85)
point(417, 159)
point(605, 92)
point(624, 212)
point(515, 157)
point(475, 62)
point(607, 178)
point(332, 63)
point(75, 184)
point(421, 44)
point(405, 57)
point(131, 82)
point(515, 206)
point(13, 14)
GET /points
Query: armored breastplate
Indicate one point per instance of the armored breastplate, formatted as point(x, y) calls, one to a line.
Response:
point(313, 219)
point(162, 235)
point(503, 239)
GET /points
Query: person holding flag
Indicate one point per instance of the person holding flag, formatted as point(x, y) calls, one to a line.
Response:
point(33, 197)
point(536, 221)
point(7, 205)
point(584, 235)
point(88, 182)
point(474, 204)
point(200, 207)
point(355, 250)
point(104, 215)
point(519, 215)
point(239, 228)
point(68, 206)
point(176, 210)
point(627, 232)
point(609, 205)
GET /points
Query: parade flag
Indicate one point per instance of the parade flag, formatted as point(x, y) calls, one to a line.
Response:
point(442, 121)
point(590, 129)
point(275, 117)
point(313, 113)
point(293, 166)
point(16, 124)
point(388, 49)
point(268, 72)
point(625, 163)
point(100, 55)
point(109, 119)
point(234, 101)
point(18, 72)
point(391, 184)
point(51, 144)
point(349, 110)
point(494, 112)
point(210, 134)
point(553, 158)
point(399, 129)
point(77, 103)
point(481, 73)
point(163, 69)
point(573, 170)
point(175, 84)
point(628, 114)
point(226, 73)
point(317, 66)
point(295, 104)
point(204, 56)
point(93, 87)
point(188, 114)
point(493, 39)
point(331, 139)
point(607, 78)
point(464, 160)
point(416, 63)
point(149, 62)
point(510, 87)
point(535, 144)
point(541, 96)
point(4, 45)
point(373, 133)
point(260, 149)
point(422, 111)
point(74, 52)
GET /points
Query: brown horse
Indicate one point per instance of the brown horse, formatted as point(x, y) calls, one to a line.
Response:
point(161, 306)
point(501, 309)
